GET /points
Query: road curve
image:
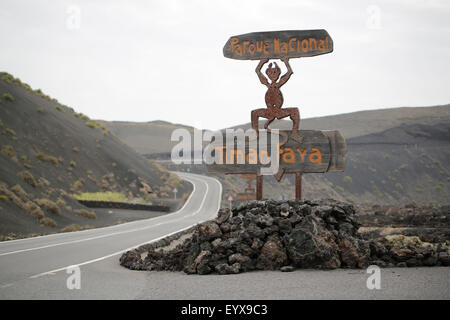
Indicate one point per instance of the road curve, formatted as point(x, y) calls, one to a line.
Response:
point(23, 260)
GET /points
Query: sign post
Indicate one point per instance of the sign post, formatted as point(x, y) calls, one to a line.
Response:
point(230, 200)
point(175, 190)
point(300, 151)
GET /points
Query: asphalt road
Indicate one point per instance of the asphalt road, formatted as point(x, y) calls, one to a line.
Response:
point(25, 262)
point(36, 268)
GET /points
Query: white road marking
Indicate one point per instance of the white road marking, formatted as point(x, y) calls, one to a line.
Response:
point(59, 234)
point(105, 235)
point(138, 245)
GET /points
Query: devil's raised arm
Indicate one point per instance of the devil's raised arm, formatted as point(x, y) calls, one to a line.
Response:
point(261, 77)
point(288, 74)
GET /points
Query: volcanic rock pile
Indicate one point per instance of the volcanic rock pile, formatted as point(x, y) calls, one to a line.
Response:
point(279, 235)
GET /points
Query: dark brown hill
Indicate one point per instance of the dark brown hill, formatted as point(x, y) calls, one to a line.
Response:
point(49, 152)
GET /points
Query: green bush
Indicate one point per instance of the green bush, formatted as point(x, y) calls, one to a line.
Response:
point(41, 94)
point(348, 179)
point(81, 116)
point(8, 97)
point(93, 124)
point(10, 131)
point(73, 163)
point(439, 187)
point(59, 108)
point(7, 78)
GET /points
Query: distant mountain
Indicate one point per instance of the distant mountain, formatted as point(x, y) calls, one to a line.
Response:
point(361, 123)
point(398, 155)
point(154, 136)
point(48, 153)
point(146, 137)
point(405, 164)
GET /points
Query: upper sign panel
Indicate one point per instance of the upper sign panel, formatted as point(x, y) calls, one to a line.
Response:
point(278, 44)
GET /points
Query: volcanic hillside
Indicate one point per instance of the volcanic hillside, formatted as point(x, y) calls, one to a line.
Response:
point(154, 136)
point(146, 137)
point(49, 153)
point(395, 156)
point(401, 165)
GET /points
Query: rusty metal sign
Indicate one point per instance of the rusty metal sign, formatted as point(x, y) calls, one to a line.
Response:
point(319, 151)
point(249, 192)
point(300, 151)
point(278, 45)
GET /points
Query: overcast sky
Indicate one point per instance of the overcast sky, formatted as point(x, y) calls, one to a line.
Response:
point(162, 60)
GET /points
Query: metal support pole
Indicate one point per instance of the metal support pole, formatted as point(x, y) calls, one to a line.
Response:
point(259, 187)
point(298, 185)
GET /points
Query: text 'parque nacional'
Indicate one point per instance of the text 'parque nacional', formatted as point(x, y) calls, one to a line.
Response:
point(278, 44)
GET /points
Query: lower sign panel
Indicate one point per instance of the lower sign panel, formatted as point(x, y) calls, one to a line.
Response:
point(318, 151)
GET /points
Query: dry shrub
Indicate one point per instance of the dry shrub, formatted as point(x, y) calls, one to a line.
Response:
point(11, 196)
point(78, 184)
point(34, 210)
point(86, 214)
point(10, 152)
point(48, 158)
point(43, 182)
point(48, 205)
point(75, 227)
point(62, 204)
point(72, 227)
point(17, 189)
point(48, 222)
point(28, 178)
